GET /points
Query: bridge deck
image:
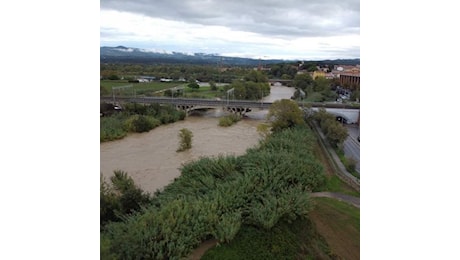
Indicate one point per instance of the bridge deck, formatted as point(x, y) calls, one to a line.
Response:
point(217, 103)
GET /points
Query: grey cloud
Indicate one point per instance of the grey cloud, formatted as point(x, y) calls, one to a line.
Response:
point(275, 18)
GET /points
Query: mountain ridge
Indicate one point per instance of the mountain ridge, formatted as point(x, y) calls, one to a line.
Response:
point(123, 54)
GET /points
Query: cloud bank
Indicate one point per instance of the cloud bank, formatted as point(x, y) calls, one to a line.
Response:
point(291, 29)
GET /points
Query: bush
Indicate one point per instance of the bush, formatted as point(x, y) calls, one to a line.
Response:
point(137, 118)
point(229, 120)
point(120, 198)
point(141, 123)
point(185, 139)
point(112, 128)
point(350, 164)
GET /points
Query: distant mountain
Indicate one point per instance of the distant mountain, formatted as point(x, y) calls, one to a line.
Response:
point(122, 54)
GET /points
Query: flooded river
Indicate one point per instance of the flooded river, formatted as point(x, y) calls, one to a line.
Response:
point(151, 158)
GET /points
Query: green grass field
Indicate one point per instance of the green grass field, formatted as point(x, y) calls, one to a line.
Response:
point(156, 88)
point(148, 89)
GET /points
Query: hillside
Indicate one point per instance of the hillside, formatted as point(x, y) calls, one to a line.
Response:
point(122, 54)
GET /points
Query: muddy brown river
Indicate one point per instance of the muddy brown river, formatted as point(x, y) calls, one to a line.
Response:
point(151, 158)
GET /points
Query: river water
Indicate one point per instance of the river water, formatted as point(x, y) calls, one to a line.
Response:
point(151, 158)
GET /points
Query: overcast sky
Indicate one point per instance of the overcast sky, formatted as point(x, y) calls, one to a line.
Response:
point(287, 29)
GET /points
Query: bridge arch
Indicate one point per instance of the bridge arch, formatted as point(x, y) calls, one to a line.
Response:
point(342, 118)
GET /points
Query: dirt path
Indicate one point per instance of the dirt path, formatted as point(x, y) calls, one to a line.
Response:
point(354, 201)
point(199, 251)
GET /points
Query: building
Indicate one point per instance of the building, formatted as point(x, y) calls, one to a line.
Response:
point(349, 79)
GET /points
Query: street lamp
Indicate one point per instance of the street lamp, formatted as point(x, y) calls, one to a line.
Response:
point(228, 93)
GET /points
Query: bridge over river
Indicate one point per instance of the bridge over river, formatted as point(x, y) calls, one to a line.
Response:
point(345, 111)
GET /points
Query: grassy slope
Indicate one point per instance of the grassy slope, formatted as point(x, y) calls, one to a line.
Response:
point(334, 184)
point(338, 223)
point(330, 232)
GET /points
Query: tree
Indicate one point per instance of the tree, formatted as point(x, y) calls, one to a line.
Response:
point(120, 198)
point(240, 89)
point(299, 94)
point(286, 76)
point(193, 85)
point(185, 139)
point(303, 81)
point(212, 84)
point(254, 86)
point(334, 131)
point(131, 197)
point(321, 84)
point(256, 76)
point(114, 77)
point(285, 113)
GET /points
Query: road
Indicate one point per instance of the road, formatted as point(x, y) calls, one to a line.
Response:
point(351, 144)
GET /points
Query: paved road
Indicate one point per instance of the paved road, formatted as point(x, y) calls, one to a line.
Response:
point(351, 144)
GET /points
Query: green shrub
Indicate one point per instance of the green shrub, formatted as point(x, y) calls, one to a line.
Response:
point(229, 120)
point(140, 123)
point(105, 252)
point(137, 118)
point(120, 198)
point(185, 139)
point(112, 128)
point(350, 164)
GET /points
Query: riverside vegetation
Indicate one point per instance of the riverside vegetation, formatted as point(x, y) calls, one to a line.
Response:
point(229, 120)
point(136, 118)
point(217, 197)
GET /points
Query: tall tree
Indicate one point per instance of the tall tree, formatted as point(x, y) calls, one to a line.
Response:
point(321, 84)
point(285, 113)
point(303, 81)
